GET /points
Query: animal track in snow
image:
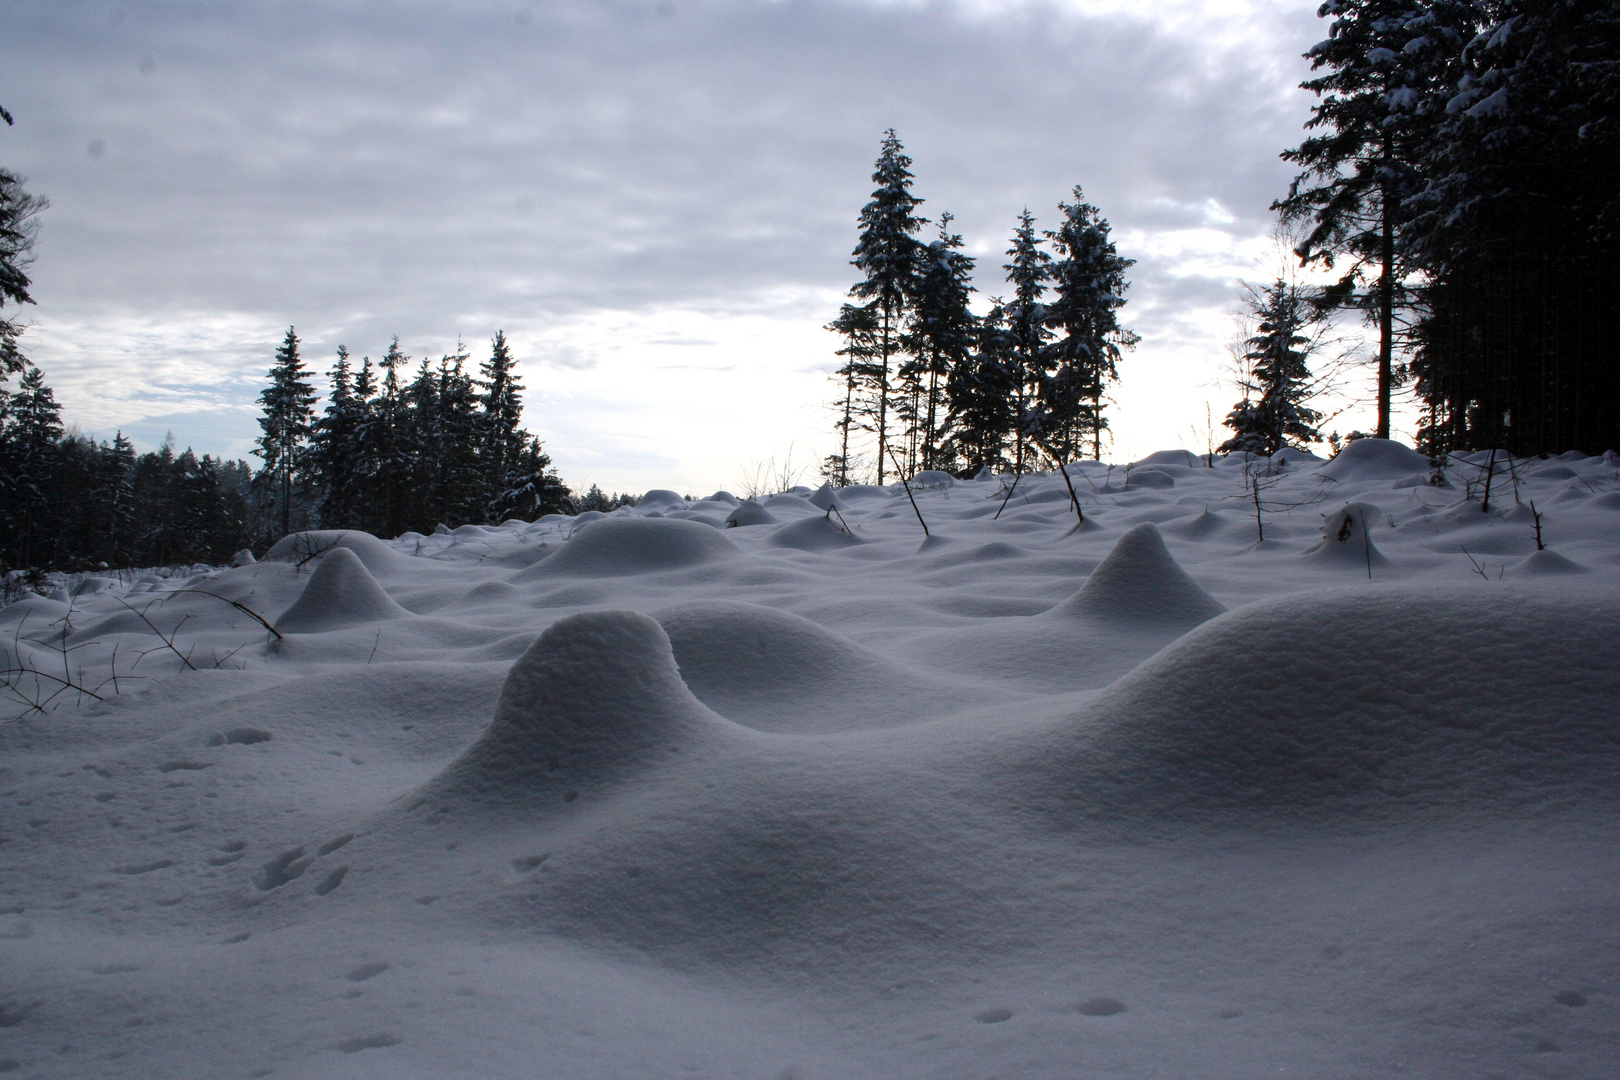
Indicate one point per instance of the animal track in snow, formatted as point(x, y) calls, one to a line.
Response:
point(288, 866)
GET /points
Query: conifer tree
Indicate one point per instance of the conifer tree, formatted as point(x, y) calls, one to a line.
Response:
point(502, 439)
point(533, 487)
point(390, 444)
point(288, 409)
point(1026, 335)
point(1276, 384)
point(860, 327)
point(1359, 169)
point(943, 329)
point(1088, 291)
point(1518, 232)
point(980, 391)
point(334, 449)
point(29, 455)
point(887, 255)
point(19, 225)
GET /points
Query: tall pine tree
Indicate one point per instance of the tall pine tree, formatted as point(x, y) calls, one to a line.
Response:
point(887, 255)
point(502, 440)
point(1276, 380)
point(1358, 170)
point(1088, 291)
point(943, 330)
point(288, 404)
point(1029, 274)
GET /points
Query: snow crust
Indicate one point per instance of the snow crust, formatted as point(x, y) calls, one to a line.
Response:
point(805, 794)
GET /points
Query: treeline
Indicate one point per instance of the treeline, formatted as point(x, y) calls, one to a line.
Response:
point(72, 503)
point(928, 384)
point(393, 451)
point(1461, 181)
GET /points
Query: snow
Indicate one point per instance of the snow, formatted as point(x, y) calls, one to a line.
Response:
point(782, 789)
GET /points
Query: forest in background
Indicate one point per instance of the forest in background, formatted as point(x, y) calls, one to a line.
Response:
point(1456, 189)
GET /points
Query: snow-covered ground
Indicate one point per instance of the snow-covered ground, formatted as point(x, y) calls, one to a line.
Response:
point(815, 797)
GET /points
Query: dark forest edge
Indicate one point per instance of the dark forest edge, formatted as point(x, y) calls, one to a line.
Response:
point(1457, 179)
point(384, 456)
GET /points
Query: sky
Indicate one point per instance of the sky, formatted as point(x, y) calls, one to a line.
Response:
point(656, 200)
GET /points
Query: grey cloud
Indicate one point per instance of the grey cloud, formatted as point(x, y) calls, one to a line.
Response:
point(426, 169)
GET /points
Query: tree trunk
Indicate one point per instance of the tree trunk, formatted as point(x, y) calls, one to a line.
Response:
point(1386, 313)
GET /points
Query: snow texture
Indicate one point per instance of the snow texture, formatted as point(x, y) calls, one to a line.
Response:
point(768, 789)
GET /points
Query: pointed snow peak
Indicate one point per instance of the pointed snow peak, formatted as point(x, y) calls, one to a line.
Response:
point(340, 593)
point(1141, 582)
point(596, 693)
point(824, 498)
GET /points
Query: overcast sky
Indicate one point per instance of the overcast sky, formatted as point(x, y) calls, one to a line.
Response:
point(655, 199)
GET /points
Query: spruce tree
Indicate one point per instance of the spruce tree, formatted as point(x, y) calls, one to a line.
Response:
point(368, 442)
point(29, 453)
point(389, 444)
point(533, 487)
point(288, 409)
point(980, 390)
point(501, 438)
point(1026, 334)
point(1360, 169)
point(1276, 384)
point(1088, 291)
point(334, 449)
point(943, 329)
point(1518, 232)
point(19, 225)
point(860, 327)
point(887, 255)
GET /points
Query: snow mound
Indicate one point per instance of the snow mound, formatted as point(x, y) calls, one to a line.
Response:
point(749, 512)
point(818, 533)
point(1384, 703)
point(1170, 457)
point(824, 498)
point(301, 547)
point(597, 696)
point(1347, 538)
point(1374, 459)
point(661, 499)
point(631, 545)
point(92, 585)
point(1140, 582)
point(37, 611)
point(775, 671)
point(1149, 478)
point(340, 593)
point(1548, 562)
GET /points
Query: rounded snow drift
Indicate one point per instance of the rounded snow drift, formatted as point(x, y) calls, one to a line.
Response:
point(661, 499)
point(818, 533)
point(303, 547)
point(1385, 703)
point(1374, 459)
point(749, 512)
point(618, 545)
point(776, 671)
point(596, 694)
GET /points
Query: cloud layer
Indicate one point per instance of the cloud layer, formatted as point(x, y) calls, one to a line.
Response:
point(656, 200)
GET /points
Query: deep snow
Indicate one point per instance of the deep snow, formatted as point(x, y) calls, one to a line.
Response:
point(644, 795)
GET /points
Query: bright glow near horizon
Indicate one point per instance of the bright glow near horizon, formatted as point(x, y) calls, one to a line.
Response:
point(656, 202)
